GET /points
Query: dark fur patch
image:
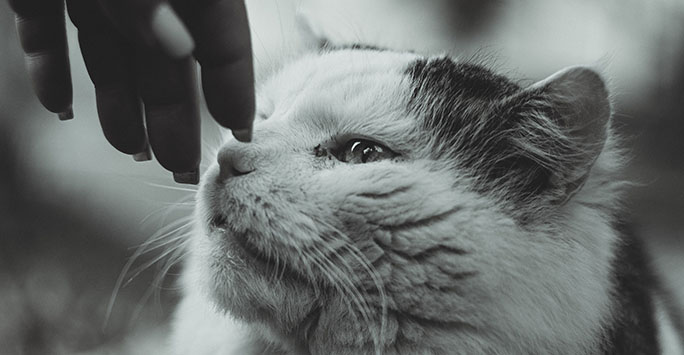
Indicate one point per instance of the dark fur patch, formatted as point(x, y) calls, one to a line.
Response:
point(461, 100)
point(460, 81)
point(488, 123)
point(634, 329)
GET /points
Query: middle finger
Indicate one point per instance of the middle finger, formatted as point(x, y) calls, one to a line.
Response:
point(168, 88)
point(109, 61)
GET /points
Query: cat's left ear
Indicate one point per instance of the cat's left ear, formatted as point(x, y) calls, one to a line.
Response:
point(575, 104)
point(582, 104)
point(311, 34)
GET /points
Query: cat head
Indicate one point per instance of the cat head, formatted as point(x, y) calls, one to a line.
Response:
point(388, 193)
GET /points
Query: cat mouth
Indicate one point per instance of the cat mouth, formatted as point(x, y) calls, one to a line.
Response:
point(275, 265)
point(263, 262)
point(240, 244)
point(219, 224)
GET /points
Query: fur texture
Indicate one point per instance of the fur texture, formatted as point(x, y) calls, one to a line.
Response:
point(492, 231)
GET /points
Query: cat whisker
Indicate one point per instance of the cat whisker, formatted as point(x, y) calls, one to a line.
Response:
point(368, 268)
point(367, 311)
point(324, 265)
point(279, 261)
point(160, 244)
point(163, 233)
point(307, 268)
point(137, 271)
point(180, 204)
point(377, 281)
point(168, 209)
point(175, 188)
point(356, 296)
point(272, 255)
point(142, 249)
point(177, 253)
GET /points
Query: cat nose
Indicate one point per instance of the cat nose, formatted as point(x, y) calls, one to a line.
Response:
point(235, 159)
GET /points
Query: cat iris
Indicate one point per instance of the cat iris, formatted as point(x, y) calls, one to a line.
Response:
point(359, 151)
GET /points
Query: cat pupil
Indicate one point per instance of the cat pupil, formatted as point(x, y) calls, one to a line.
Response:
point(366, 152)
point(365, 148)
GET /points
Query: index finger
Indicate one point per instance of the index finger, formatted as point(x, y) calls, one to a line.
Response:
point(40, 25)
point(223, 48)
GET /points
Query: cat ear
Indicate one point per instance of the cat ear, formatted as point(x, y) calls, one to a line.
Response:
point(312, 35)
point(580, 99)
point(563, 126)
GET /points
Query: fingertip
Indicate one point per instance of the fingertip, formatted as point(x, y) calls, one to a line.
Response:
point(190, 177)
point(243, 135)
point(229, 94)
point(170, 32)
point(144, 155)
point(51, 78)
point(66, 115)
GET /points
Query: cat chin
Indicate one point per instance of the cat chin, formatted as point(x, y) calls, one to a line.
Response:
point(248, 261)
point(251, 287)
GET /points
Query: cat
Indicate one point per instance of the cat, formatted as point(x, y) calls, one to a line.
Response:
point(393, 203)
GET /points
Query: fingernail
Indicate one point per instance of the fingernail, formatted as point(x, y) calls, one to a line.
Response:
point(191, 177)
point(243, 135)
point(145, 155)
point(66, 115)
point(171, 33)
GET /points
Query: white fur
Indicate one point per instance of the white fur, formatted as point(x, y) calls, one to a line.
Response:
point(544, 290)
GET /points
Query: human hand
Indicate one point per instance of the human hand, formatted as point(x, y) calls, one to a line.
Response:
point(138, 55)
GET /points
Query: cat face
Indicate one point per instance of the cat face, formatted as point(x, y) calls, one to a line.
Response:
point(385, 194)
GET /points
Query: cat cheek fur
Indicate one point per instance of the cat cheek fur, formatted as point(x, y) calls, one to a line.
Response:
point(438, 249)
point(462, 256)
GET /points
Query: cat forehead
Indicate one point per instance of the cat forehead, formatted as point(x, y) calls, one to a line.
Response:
point(441, 76)
point(349, 91)
point(333, 64)
point(387, 89)
point(330, 69)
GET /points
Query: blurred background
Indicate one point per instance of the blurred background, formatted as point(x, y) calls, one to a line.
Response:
point(73, 210)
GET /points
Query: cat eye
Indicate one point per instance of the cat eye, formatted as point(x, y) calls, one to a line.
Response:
point(359, 151)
